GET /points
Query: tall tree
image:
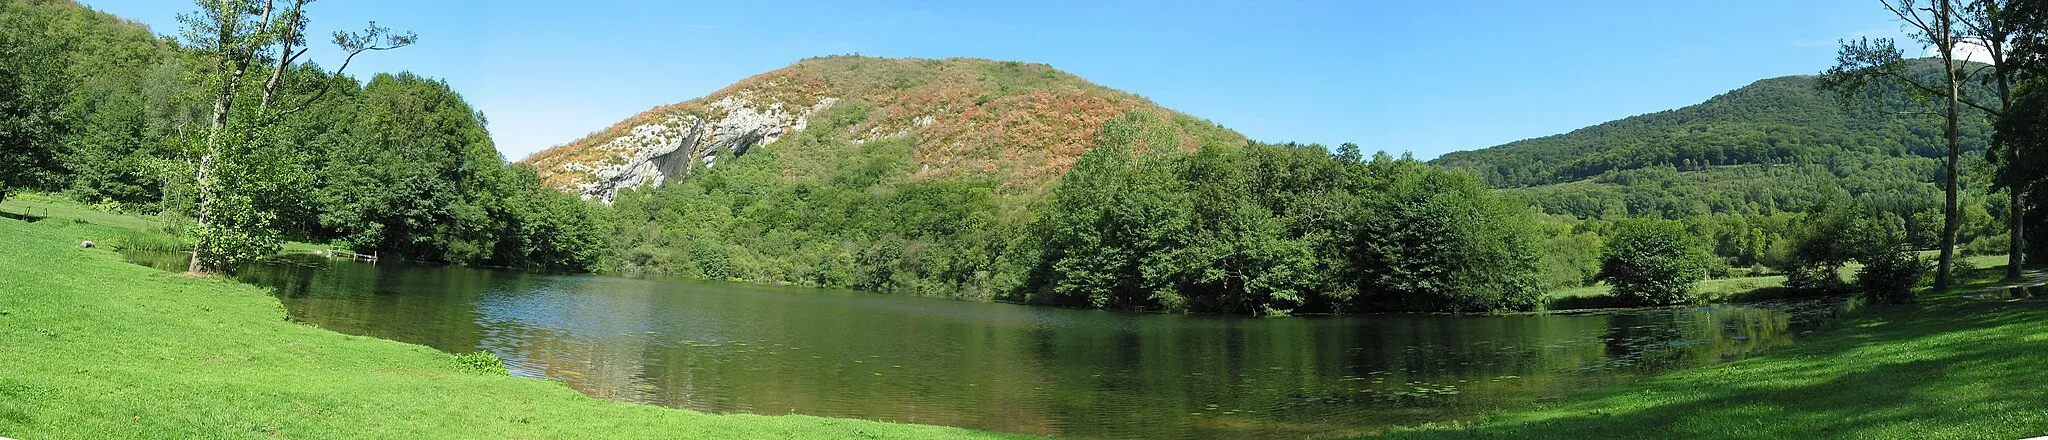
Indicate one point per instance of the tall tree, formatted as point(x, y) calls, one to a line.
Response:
point(1993, 25)
point(2020, 131)
point(238, 34)
point(1865, 61)
point(31, 95)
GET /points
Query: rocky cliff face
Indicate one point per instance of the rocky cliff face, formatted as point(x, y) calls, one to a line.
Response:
point(649, 154)
point(1020, 123)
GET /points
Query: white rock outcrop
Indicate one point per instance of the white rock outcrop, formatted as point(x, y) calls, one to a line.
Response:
point(650, 154)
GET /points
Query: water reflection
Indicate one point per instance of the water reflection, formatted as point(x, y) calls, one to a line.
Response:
point(1072, 373)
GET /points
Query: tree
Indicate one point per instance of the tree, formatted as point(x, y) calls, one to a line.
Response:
point(1890, 270)
point(1996, 25)
point(1865, 61)
point(1116, 224)
point(1822, 246)
point(1422, 238)
point(417, 177)
point(1653, 263)
point(237, 34)
point(32, 89)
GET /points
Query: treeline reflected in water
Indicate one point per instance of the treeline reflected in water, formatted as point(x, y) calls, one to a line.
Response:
point(1071, 373)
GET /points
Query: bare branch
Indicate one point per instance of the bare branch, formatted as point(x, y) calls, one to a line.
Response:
point(372, 39)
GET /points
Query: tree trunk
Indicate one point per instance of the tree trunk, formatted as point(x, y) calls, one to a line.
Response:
point(1943, 276)
point(2016, 226)
point(232, 66)
point(2015, 221)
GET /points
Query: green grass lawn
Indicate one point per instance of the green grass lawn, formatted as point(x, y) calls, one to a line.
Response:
point(135, 232)
point(93, 347)
point(1949, 367)
point(36, 205)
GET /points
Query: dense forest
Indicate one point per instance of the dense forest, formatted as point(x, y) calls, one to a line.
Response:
point(399, 165)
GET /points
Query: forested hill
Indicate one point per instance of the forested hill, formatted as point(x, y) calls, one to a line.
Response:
point(1785, 120)
point(1023, 124)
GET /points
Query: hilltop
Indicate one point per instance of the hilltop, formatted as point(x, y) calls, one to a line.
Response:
point(1024, 124)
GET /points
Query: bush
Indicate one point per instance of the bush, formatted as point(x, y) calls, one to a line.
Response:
point(1890, 276)
point(1653, 262)
point(1824, 244)
point(1821, 279)
point(1993, 244)
point(482, 362)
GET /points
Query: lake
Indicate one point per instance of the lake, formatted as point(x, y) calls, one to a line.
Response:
point(738, 348)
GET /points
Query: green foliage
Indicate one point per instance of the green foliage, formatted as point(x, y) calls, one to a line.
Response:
point(1654, 263)
point(482, 362)
point(1778, 121)
point(32, 89)
point(1822, 246)
point(1274, 230)
point(862, 222)
point(1838, 234)
point(1113, 233)
point(1762, 155)
point(1891, 276)
point(1571, 258)
point(1425, 239)
point(238, 234)
point(402, 167)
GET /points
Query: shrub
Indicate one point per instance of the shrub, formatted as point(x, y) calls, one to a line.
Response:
point(1890, 276)
point(482, 362)
point(1653, 262)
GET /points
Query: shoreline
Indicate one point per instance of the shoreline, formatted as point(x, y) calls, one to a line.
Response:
point(116, 350)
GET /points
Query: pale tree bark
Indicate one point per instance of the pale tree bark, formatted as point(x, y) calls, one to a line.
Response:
point(294, 24)
point(233, 55)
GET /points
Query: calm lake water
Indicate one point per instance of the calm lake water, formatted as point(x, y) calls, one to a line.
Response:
point(1070, 373)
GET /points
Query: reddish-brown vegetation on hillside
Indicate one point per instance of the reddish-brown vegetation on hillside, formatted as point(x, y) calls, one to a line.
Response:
point(1019, 122)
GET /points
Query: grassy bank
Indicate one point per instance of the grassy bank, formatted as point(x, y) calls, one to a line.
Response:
point(1949, 367)
point(92, 347)
point(1721, 290)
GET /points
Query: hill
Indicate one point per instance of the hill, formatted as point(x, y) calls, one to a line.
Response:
point(1785, 120)
point(1021, 123)
point(1775, 147)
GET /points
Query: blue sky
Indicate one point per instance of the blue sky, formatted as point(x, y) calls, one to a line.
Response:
point(1421, 76)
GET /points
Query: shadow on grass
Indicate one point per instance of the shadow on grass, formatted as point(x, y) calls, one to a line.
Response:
point(21, 216)
point(1950, 367)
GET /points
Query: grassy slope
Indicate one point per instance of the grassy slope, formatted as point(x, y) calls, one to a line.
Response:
point(1949, 367)
point(92, 347)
